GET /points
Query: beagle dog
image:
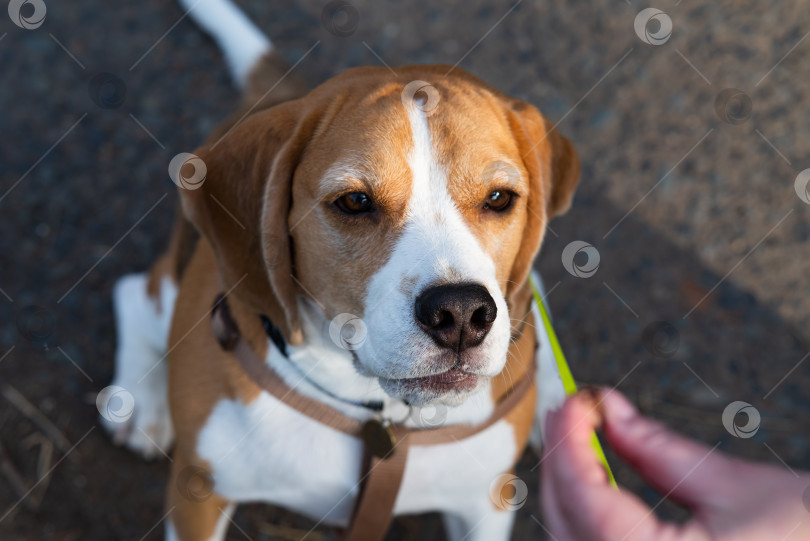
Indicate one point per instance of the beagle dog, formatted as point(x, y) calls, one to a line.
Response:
point(373, 238)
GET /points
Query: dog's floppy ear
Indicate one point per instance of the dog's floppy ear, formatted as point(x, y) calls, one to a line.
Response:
point(553, 167)
point(241, 208)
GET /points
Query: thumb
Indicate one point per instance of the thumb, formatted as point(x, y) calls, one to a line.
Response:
point(682, 469)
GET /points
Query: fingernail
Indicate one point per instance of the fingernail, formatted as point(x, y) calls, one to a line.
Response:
point(592, 398)
point(617, 408)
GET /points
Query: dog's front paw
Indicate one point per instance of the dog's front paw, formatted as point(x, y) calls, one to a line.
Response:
point(137, 417)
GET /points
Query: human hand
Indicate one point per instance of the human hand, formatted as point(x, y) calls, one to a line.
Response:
point(731, 499)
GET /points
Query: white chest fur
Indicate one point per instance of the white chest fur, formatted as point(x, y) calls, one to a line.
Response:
point(266, 451)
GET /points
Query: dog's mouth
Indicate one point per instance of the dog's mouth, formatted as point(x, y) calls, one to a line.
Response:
point(450, 387)
point(454, 379)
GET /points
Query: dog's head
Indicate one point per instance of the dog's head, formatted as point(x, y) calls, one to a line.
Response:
point(415, 202)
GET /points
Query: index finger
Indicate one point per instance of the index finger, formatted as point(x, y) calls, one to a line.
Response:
point(567, 447)
point(578, 501)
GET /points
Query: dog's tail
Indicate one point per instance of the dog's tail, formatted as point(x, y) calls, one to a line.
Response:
point(254, 65)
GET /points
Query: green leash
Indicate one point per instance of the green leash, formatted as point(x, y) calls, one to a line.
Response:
point(565, 374)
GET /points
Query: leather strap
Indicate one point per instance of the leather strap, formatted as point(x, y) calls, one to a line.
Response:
point(230, 339)
point(379, 489)
point(381, 476)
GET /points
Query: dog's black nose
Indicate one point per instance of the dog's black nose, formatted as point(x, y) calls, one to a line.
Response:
point(456, 316)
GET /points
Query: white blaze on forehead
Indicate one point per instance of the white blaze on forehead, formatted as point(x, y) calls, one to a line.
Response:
point(433, 218)
point(429, 193)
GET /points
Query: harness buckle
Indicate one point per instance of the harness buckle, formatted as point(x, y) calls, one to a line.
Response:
point(379, 438)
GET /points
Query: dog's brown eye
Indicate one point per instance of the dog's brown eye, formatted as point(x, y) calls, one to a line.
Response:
point(354, 203)
point(499, 200)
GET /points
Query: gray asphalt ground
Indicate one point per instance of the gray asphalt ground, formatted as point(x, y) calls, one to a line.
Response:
point(689, 194)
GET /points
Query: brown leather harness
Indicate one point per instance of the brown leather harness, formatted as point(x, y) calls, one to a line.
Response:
point(385, 445)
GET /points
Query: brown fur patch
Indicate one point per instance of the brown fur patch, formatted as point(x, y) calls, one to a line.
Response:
point(519, 360)
point(201, 374)
point(173, 262)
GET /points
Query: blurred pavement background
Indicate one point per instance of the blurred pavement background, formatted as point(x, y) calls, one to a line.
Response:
point(691, 193)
